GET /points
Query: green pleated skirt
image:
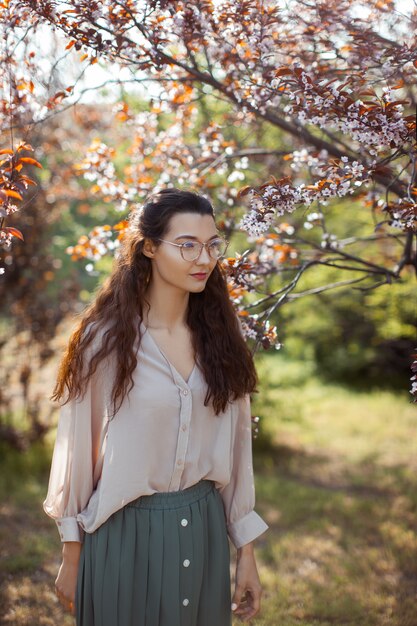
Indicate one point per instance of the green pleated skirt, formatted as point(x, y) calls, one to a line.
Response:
point(162, 560)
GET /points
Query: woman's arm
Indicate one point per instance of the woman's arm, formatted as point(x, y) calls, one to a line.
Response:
point(66, 581)
point(243, 523)
point(246, 600)
point(75, 470)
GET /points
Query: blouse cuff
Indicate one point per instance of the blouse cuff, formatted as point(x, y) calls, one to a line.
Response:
point(246, 529)
point(69, 529)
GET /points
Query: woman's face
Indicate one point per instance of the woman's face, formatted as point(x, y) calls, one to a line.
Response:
point(168, 266)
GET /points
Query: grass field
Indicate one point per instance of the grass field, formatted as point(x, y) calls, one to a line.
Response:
point(336, 474)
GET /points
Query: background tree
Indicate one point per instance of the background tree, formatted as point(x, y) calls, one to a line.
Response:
point(325, 75)
point(297, 119)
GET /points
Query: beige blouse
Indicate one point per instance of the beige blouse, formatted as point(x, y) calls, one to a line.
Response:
point(162, 439)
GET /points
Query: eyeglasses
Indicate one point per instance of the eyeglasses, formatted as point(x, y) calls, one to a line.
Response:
point(191, 250)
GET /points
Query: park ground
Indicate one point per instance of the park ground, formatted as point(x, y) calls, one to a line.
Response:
point(336, 479)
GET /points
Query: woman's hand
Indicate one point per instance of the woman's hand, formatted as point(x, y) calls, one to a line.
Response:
point(66, 581)
point(246, 600)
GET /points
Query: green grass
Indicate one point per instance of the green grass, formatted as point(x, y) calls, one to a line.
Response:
point(336, 478)
point(338, 488)
point(29, 543)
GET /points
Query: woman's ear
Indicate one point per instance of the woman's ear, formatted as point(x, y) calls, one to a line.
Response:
point(149, 248)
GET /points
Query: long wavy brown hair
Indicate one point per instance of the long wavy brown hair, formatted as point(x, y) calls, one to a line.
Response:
point(220, 348)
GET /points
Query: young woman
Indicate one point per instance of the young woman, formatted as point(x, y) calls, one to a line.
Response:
point(152, 467)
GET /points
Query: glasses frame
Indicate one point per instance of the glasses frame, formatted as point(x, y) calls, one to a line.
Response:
point(203, 245)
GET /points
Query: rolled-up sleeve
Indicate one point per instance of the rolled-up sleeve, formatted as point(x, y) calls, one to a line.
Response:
point(243, 523)
point(77, 458)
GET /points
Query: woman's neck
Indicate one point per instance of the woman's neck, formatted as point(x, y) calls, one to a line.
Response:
point(168, 308)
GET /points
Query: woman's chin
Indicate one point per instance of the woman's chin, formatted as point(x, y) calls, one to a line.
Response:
point(198, 288)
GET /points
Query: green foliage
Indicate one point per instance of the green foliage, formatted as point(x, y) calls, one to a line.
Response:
point(359, 337)
point(20, 471)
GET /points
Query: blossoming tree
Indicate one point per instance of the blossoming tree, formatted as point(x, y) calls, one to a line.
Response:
point(329, 85)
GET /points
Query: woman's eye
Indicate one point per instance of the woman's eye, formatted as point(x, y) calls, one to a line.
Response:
point(189, 245)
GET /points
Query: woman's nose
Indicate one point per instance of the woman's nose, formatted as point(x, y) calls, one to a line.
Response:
point(204, 258)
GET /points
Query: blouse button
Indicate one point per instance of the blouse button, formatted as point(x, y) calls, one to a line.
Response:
point(185, 392)
point(186, 563)
point(186, 602)
point(184, 427)
point(184, 522)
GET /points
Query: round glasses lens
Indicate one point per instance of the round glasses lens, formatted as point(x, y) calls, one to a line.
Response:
point(217, 248)
point(190, 250)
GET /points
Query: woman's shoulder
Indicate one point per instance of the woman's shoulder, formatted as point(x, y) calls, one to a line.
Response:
point(95, 330)
point(94, 335)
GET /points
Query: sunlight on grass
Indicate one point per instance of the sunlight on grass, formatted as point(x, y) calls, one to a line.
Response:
point(356, 425)
point(336, 482)
point(338, 488)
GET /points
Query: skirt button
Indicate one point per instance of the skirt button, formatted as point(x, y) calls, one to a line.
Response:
point(184, 522)
point(186, 563)
point(186, 602)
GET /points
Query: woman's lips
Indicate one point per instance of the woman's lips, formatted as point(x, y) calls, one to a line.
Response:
point(200, 275)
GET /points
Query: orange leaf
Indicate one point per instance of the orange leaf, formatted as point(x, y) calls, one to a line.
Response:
point(30, 161)
point(59, 94)
point(24, 146)
point(6, 151)
point(70, 44)
point(283, 71)
point(15, 232)
point(121, 225)
point(84, 57)
point(27, 180)
point(12, 194)
point(244, 191)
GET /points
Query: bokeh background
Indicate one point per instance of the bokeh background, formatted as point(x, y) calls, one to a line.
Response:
point(334, 428)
